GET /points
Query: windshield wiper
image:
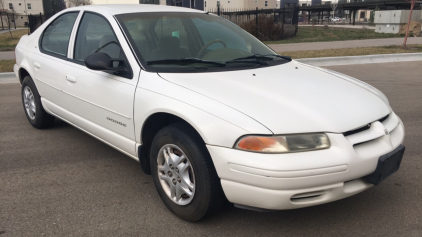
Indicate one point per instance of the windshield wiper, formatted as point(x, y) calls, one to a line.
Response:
point(184, 61)
point(260, 56)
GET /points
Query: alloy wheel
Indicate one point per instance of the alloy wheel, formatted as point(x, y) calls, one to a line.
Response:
point(29, 101)
point(176, 175)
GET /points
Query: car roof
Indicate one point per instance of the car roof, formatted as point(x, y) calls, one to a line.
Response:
point(116, 9)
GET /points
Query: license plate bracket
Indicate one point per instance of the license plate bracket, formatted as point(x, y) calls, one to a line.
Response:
point(388, 164)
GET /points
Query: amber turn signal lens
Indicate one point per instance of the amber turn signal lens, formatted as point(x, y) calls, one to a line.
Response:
point(256, 143)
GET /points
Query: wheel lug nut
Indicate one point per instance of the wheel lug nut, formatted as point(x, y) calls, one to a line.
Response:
point(179, 179)
point(177, 170)
point(174, 181)
point(169, 173)
point(171, 167)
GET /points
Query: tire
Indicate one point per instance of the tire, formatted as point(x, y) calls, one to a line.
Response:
point(207, 195)
point(35, 113)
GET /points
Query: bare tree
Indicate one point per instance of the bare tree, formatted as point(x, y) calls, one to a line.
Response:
point(412, 4)
point(10, 16)
point(75, 3)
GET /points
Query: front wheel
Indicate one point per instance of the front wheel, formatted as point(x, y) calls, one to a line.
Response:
point(184, 174)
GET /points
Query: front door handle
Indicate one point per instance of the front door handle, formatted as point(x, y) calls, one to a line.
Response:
point(37, 65)
point(71, 79)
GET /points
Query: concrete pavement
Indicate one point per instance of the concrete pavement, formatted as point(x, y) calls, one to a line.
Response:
point(62, 182)
point(344, 26)
point(7, 30)
point(7, 55)
point(343, 44)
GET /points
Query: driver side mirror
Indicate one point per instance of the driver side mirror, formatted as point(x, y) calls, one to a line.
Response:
point(103, 62)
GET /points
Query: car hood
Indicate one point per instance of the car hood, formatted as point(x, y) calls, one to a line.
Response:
point(292, 97)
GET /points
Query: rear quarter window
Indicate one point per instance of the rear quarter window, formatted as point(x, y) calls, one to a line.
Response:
point(55, 38)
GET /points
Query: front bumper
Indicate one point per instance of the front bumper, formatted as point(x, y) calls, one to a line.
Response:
point(296, 180)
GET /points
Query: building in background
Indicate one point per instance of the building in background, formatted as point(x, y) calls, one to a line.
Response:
point(206, 5)
point(51, 7)
point(210, 5)
point(289, 3)
point(20, 9)
point(115, 1)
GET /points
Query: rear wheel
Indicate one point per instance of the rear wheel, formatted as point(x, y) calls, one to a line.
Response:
point(184, 174)
point(32, 106)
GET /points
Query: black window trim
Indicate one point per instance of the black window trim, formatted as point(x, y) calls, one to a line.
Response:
point(70, 36)
point(73, 60)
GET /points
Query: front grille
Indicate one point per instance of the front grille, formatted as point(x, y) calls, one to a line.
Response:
point(366, 127)
point(358, 130)
point(372, 131)
point(383, 118)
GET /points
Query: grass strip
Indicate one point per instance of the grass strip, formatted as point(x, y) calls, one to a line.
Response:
point(415, 48)
point(319, 34)
point(7, 42)
point(6, 65)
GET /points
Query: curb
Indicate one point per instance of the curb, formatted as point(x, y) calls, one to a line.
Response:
point(7, 75)
point(366, 59)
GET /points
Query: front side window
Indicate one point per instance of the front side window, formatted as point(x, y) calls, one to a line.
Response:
point(95, 35)
point(193, 42)
point(55, 38)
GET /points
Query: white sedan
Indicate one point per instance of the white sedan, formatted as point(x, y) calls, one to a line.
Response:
point(207, 109)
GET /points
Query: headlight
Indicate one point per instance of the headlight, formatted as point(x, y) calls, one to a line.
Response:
point(284, 144)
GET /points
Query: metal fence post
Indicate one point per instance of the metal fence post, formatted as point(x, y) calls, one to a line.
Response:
point(256, 22)
point(218, 10)
point(282, 20)
point(14, 20)
point(1, 15)
point(41, 18)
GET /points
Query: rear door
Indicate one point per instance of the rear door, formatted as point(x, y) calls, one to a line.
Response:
point(48, 61)
point(100, 102)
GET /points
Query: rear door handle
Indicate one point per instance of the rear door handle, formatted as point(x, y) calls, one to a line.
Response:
point(71, 79)
point(37, 65)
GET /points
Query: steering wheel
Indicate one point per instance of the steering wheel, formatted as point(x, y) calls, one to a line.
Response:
point(210, 43)
point(111, 42)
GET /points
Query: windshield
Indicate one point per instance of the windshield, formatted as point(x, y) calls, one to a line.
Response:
point(194, 42)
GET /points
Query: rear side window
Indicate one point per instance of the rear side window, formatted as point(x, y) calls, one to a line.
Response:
point(56, 36)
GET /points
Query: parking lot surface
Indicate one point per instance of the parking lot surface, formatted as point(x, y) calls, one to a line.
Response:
point(62, 182)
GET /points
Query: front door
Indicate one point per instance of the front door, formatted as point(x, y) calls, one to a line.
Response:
point(100, 102)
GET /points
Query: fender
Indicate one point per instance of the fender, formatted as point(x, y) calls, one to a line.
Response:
point(156, 95)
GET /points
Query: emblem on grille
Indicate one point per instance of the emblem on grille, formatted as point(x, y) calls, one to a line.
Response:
point(386, 131)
